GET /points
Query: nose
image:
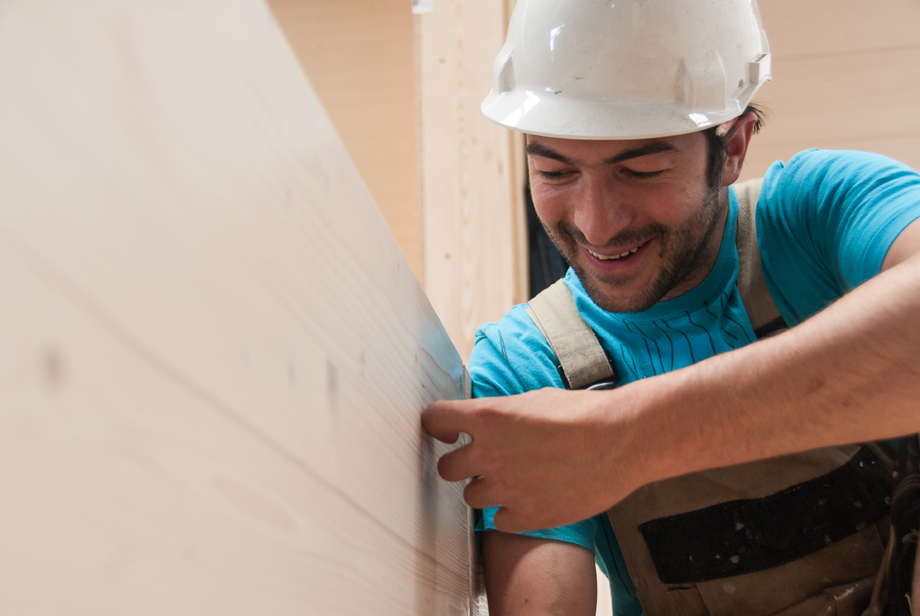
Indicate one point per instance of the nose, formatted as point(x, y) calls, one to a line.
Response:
point(601, 212)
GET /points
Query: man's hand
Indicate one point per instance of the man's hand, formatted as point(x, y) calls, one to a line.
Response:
point(549, 457)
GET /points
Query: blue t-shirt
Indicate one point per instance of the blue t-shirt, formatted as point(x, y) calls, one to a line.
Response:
point(825, 221)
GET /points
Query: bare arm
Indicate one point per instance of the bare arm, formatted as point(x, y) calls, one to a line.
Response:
point(849, 374)
point(528, 576)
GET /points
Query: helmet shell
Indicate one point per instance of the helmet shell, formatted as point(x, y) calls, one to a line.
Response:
point(627, 69)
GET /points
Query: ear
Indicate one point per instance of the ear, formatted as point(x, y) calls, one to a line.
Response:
point(738, 139)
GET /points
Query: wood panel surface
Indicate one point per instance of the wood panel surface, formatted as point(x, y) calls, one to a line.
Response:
point(846, 75)
point(212, 353)
point(471, 185)
point(360, 58)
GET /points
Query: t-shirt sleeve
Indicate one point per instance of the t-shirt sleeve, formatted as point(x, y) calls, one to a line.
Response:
point(512, 357)
point(580, 533)
point(825, 221)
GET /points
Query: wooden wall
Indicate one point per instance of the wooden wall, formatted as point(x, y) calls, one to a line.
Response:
point(212, 353)
point(846, 75)
point(471, 172)
point(404, 94)
point(360, 58)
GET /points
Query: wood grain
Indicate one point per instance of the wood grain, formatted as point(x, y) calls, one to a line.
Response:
point(474, 262)
point(214, 354)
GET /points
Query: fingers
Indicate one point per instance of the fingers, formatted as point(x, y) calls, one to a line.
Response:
point(445, 420)
point(458, 464)
point(478, 494)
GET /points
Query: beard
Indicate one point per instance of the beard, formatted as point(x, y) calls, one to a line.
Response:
point(684, 251)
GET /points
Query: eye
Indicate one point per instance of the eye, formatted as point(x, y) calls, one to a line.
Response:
point(643, 175)
point(553, 175)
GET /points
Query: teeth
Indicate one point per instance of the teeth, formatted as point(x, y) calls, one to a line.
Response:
point(614, 257)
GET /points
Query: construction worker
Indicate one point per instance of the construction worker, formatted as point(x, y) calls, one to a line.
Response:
point(651, 410)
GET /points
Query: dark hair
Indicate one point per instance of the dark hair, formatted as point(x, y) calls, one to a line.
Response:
point(717, 146)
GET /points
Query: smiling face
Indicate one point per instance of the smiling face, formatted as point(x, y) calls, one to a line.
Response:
point(636, 219)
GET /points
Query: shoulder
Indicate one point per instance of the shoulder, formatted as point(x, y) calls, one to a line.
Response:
point(511, 357)
point(825, 197)
point(823, 177)
point(825, 221)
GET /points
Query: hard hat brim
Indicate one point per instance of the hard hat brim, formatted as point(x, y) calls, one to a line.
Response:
point(552, 114)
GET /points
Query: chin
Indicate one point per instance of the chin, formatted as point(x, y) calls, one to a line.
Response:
point(607, 296)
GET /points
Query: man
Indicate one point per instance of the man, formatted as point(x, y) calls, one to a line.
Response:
point(637, 124)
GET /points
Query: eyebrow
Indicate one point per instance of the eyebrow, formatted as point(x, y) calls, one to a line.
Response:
point(538, 149)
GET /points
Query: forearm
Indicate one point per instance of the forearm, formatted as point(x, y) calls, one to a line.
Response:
point(849, 374)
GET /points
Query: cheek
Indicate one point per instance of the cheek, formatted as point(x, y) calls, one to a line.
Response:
point(669, 205)
point(551, 202)
point(664, 211)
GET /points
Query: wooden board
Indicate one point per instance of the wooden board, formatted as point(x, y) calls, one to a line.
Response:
point(471, 186)
point(361, 61)
point(212, 353)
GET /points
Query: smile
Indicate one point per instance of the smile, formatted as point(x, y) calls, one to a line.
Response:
point(615, 257)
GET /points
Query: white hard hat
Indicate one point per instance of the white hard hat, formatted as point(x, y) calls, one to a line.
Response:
point(616, 69)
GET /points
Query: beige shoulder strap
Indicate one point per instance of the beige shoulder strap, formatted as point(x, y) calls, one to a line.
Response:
point(576, 347)
point(752, 286)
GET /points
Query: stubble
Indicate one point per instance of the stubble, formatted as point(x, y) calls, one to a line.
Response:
point(685, 251)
